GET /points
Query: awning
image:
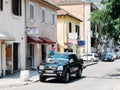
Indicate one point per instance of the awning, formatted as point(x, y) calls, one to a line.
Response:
point(4, 36)
point(34, 39)
point(47, 40)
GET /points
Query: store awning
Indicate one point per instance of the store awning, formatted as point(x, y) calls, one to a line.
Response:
point(34, 39)
point(4, 36)
point(47, 40)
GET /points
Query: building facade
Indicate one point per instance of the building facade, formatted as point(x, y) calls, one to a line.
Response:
point(41, 28)
point(28, 29)
point(82, 11)
point(68, 29)
point(12, 36)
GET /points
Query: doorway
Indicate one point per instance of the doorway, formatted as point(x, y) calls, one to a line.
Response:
point(15, 56)
point(31, 55)
point(43, 48)
point(9, 57)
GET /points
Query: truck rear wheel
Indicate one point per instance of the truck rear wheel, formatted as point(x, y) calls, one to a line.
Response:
point(79, 73)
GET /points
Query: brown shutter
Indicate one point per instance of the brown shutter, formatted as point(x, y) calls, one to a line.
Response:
point(16, 7)
point(20, 9)
point(1, 4)
point(13, 6)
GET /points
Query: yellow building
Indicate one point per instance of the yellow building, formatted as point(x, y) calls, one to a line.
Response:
point(68, 31)
point(82, 10)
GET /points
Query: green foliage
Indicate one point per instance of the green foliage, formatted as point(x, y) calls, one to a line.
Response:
point(108, 18)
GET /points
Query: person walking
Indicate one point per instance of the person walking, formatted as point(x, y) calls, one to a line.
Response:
point(53, 48)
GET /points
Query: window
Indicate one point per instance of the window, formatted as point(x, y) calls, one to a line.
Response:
point(77, 30)
point(53, 19)
point(70, 27)
point(1, 5)
point(16, 7)
point(43, 15)
point(31, 10)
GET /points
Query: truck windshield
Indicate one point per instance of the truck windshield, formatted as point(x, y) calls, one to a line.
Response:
point(60, 56)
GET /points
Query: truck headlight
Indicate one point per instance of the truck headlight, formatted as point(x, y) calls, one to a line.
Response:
point(60, 68)
point(41, 67)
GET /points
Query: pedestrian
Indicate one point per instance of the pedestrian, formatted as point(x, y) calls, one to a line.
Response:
point(53, 48)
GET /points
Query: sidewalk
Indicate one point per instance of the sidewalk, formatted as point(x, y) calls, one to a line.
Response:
point(14, 80)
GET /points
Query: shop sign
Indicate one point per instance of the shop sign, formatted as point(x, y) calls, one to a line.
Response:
point(72, 41)
point(32, 30)
point(81, 42)
point(72, 35)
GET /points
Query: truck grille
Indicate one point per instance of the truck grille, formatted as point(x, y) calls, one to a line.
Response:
point(50, 67)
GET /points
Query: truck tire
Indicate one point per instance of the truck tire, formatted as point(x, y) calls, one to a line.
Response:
point(79, 73)
point(66, 77)
point(42, 78)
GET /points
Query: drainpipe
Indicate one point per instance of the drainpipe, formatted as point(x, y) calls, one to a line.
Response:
point(96, 38)
point(63, 29)
point(3, 59)
point(0, 60)
point(84, 24)
point(25, 35)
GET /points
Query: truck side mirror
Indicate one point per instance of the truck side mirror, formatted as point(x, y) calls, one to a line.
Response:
point(71, 60)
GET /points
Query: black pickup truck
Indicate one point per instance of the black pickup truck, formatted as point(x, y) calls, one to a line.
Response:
point(62, 66)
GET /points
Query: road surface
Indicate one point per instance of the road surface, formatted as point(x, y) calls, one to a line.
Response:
point(101, 76)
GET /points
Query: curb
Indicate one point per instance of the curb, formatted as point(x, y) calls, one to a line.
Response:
point(93, 63)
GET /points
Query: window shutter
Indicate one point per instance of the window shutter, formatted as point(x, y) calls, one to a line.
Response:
point(16, 7)
point(31, 11)
point(20, 7)
point(70, 27)
point(43, 16)
point(1, 4)
point(13, 6)
point(78, 30)
point(53, 19)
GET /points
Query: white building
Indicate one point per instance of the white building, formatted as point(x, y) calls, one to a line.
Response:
point(12, 36)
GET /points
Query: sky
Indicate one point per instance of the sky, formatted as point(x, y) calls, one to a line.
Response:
point(96, 2)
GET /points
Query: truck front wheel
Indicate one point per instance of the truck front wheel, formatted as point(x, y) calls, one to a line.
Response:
point(42, 78)
point(66, 77)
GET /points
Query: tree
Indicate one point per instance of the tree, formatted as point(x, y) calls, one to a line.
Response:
point(109, 19)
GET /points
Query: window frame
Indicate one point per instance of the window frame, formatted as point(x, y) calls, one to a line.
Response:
point(70, 27)
point(77, 29)
point(17, 7)
point(43, 17)
point(31, 13)
point(1, 5)
point(53, 19)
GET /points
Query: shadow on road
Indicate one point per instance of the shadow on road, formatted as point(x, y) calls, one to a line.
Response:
point(108, 76)
point(72, 79)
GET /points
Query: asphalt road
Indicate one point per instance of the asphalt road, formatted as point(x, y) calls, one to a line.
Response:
point(101, 76)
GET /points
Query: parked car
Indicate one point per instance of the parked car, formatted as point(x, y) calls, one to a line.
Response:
point(114, 55)
point(118, 55)
point(62, 66)
point(108, 57)
point(90, 57)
